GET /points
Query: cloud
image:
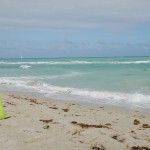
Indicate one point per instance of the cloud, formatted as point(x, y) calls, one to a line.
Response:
point(16, 15)
point(70, 48)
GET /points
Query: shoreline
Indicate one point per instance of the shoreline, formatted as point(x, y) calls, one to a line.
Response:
point(38, 95)
point(41, 123)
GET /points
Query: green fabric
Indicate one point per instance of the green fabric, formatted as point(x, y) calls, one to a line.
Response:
point(2, 113)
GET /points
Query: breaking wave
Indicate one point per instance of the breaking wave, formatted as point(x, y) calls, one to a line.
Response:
point(73, 62)
point(136, 100)
point(25, 66)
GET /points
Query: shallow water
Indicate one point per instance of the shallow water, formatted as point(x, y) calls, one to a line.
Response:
point(118, 81)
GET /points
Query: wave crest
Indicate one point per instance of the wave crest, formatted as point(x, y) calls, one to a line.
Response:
point(25, 66)
point(74, 62)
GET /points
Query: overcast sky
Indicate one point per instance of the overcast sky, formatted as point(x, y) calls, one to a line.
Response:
point(74, 28)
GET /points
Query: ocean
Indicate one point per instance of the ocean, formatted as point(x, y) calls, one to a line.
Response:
point(116, 81)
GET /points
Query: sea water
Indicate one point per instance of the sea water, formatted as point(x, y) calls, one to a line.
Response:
point(117, 81)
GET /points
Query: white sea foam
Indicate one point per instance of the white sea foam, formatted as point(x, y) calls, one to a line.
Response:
point(23, 80)
point(25, 66)
point(131, 62)
point(113, 98)
point(74, 62)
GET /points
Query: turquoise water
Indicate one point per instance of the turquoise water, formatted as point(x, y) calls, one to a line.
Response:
point(123, 81)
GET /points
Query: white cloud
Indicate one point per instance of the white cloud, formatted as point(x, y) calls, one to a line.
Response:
point(73, 14)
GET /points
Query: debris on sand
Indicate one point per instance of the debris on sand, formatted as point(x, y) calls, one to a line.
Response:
point(47, 121)
point(10, 103)
point(83, 125)
point(139, 148)
point(119, 139)
point(101, 147)
point(145, 126)
point(53, 107)
point(136, 122)
point(115, 137)
point(33, 101)
point(74, 122)
point(46, 127)
point(65, 110)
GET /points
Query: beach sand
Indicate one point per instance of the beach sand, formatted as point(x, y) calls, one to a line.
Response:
point(41, 124)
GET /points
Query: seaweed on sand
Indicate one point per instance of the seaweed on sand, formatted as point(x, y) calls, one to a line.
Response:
point(146, 126)
point(46, 121)
point(139, 148)
point(83, 125)
point(136, 122)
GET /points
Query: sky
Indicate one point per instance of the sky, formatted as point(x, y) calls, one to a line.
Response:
point(74, 28)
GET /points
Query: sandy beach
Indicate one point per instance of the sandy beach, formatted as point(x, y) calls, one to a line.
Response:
point(41, 124)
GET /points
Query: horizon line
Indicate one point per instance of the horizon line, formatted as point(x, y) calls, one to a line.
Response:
point(68, 57)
